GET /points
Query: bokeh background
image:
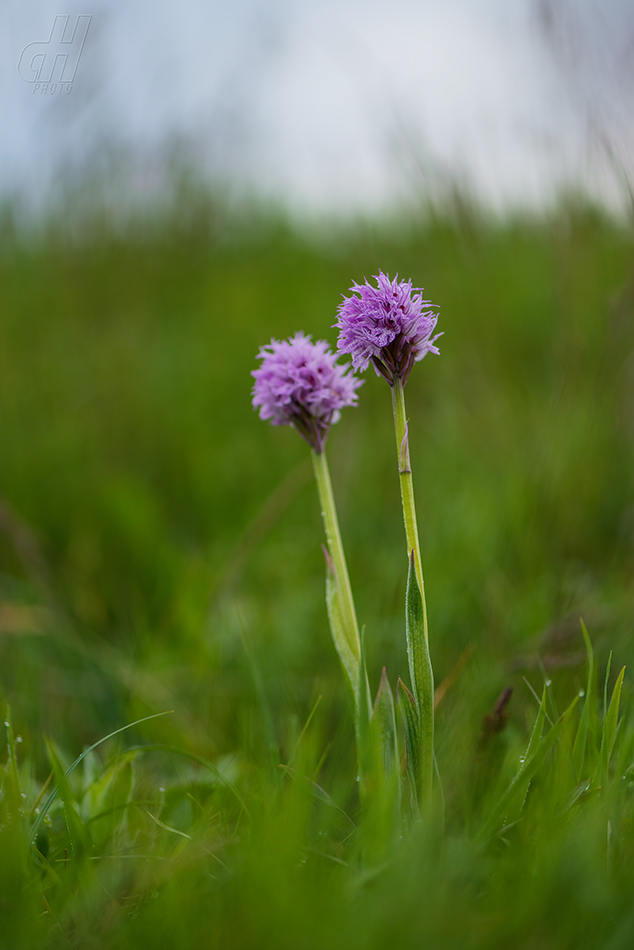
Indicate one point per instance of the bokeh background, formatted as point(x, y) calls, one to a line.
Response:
point(219, 175)
point(329, 107)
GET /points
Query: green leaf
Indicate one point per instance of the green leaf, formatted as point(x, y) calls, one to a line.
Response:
point(338, 631)
point(610, 722)
point(524, 776)
point(536, 734)
point(77, 831)
point(409, 712)
point(365, 697)
point(422, 681)
point(109, 794)
point(383, 728)
point(37, 824)
point(581, 739)
point(215, 771)
point(417, 651)
point(582, 791)
point(538, 728)
point(362, 721)
point(304, 729)
point(382, 800)
point(439, 793)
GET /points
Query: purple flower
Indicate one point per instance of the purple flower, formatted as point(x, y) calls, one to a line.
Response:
point(387, 325)
point(301, 384)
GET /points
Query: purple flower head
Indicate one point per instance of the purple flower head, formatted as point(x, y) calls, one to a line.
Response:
point(387, 325)
point(301, 384)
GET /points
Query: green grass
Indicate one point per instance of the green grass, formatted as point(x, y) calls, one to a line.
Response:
point(160, 550)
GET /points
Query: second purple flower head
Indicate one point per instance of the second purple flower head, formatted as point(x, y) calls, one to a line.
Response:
point(300, 383)
point(389, 325)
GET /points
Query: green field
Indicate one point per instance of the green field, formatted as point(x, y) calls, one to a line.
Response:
point(160, 550)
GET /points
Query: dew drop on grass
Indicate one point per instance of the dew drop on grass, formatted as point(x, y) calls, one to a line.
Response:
point(582, 693)
point(548, 682)
point(18, 738)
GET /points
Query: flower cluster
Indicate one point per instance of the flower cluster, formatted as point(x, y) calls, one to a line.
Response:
point(301, 384)
point(386, 325)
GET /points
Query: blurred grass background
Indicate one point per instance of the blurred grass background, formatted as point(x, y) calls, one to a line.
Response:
point(160, 545)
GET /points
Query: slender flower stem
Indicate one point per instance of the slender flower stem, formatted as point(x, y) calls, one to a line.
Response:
point(343, 622)
point(335, 549)
point(407, 485)
point(418, 646)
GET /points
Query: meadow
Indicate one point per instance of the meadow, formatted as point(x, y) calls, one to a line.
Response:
point(160, 553)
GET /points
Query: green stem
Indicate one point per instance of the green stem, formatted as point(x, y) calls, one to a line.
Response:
point(418, 646)
point(335, 549)
point(343, 620)
point(407, 486)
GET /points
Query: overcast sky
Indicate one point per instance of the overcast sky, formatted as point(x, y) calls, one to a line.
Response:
point(331, 104)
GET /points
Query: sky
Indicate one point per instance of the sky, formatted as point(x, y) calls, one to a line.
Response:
point(327, 105)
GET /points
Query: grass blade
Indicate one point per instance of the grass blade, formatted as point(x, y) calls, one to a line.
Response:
point(538, 728)
point(529, 767)
point(312, 788)
point(215, 771)
point(37, 824)
point(610, 723)
point(581, 739)
point(11, 783)
point(77, 831)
